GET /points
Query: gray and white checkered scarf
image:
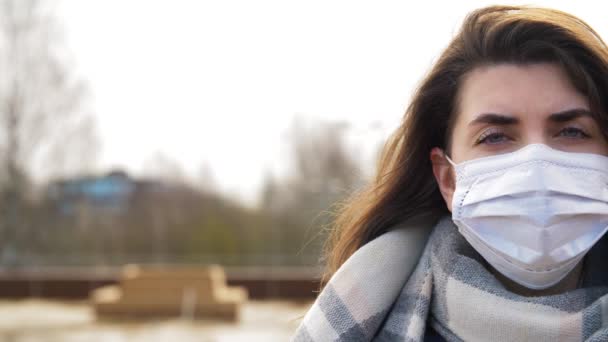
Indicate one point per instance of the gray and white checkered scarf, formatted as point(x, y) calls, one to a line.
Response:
point(371, 297)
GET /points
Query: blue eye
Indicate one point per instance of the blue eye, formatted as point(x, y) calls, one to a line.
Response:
point(492, 138)
point(573, 132)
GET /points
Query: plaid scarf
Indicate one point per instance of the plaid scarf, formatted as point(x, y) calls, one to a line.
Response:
point(371, 297)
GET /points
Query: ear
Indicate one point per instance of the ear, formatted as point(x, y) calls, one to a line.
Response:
point(444, 175)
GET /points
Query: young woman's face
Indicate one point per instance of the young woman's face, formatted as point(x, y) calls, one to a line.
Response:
point(505, 107)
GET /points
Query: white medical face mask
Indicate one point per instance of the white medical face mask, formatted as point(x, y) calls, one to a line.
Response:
point(534, 213)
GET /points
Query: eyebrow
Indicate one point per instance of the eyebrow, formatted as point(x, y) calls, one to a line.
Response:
point(494, 119)
point(570, 114)
point(504, 120)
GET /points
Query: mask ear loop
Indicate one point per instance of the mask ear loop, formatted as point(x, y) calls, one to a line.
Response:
point(448, 159)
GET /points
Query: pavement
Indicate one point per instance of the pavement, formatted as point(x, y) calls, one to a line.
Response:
point(33, 320)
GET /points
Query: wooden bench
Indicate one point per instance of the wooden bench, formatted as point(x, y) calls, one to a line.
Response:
point(157, 291)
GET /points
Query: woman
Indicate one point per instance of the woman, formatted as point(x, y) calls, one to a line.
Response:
point(486, 218)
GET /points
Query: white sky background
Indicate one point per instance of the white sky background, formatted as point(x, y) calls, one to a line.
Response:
point(219, 82)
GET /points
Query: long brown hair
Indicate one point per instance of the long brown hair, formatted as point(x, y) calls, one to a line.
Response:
point(404, 187)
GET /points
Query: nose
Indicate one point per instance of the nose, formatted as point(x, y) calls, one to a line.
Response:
point(535, 135)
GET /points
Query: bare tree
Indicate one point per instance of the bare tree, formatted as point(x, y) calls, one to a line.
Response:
point(165, 168)
point(324, 170)
point(44, 129)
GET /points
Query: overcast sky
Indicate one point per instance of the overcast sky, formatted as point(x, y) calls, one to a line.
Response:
point(218, 82)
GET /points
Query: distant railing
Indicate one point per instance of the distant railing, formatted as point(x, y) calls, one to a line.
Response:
point(296, 283)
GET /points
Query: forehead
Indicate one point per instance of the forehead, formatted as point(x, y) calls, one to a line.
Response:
point(525, 91)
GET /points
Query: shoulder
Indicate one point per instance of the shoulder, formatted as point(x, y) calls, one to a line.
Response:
point(397, 250)
point(410, 235)
point(410, 238)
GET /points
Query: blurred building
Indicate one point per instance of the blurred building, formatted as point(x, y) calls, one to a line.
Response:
point(110, 194)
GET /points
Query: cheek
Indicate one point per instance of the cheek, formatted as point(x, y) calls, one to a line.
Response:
point(595, 146)
point(603, 145)
point(601, 148)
